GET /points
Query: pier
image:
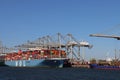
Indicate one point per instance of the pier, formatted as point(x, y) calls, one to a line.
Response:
point(81, 66)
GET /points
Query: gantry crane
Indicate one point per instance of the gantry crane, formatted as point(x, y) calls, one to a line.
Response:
point(65, 42)
point(106, 36)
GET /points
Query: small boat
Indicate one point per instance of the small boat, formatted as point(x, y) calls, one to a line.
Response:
point(37, 58)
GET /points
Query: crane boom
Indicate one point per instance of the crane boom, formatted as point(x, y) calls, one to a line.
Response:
point(106, 36)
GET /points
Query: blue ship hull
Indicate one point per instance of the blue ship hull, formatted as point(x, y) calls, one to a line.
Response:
point(36, 63)
point(96, 66)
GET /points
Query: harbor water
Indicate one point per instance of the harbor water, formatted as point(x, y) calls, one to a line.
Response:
point(12, 73)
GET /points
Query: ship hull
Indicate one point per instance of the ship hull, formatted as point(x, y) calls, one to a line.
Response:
point(109, 67)
point(36, 63)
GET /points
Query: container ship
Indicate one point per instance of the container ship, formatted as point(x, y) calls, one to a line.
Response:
point(47, 51)
point(37, 58)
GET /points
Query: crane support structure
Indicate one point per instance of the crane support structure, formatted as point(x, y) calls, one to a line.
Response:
point(106, 36)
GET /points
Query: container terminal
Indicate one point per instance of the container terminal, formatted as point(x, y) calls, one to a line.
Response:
point(52, 50)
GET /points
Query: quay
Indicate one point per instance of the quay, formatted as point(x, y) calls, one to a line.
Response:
point(81, 66)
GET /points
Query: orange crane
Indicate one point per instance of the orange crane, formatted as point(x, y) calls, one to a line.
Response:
point(106, 36)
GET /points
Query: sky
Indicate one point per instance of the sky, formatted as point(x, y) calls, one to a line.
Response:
point(22, 20)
